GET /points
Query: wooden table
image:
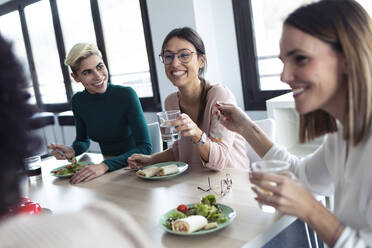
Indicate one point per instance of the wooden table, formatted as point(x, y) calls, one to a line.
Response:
point(148, 200)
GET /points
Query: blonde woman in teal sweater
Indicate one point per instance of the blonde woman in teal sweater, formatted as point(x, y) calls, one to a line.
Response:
point(108, 114)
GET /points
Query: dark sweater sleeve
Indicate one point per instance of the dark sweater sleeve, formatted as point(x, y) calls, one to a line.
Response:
point(82, 141)
point(140, 132)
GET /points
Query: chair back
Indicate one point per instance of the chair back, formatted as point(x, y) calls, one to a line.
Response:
point(43, 126)
point(267, 125)
point(66, 123)
point(156, 141)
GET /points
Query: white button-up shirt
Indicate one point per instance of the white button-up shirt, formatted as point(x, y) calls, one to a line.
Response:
point(327, 172)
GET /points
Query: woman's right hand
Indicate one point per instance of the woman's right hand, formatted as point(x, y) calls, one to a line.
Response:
point(65, 152)
point(137, 161)
point(234, 118)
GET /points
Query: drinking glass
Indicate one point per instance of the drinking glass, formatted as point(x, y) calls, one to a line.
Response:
point(168, 133)
point(273, 167)
point(33, 167)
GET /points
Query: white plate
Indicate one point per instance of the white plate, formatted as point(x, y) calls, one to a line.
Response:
point(182, 167)
point(226, 210)
point(68, 174)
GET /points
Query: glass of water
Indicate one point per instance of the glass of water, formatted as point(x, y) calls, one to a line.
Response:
point(33, 165)
point(269, 166)
point(168, 133)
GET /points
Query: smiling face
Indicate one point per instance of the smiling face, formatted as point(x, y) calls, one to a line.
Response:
point(92, 73)
point(314, 71)
point(182, 74)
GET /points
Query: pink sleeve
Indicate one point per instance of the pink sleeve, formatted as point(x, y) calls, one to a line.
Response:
point(230, 151)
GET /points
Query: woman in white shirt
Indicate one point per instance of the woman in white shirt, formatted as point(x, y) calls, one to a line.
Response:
point(326, 50)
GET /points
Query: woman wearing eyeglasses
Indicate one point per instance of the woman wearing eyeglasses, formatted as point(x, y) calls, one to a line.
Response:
point(108, 114)
point(326, 49)
point(184, 58)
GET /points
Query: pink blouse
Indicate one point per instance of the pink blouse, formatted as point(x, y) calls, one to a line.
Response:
point(229, 153)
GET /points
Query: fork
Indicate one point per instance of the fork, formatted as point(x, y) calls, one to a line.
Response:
point(60, 152)
point(73, 160)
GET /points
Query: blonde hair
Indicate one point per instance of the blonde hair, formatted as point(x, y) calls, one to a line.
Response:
point(347, 28)
point(79, 52)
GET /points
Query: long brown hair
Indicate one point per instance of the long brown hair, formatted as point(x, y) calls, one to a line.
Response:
point(203, 100)
point(17, 141)
point(347, 28)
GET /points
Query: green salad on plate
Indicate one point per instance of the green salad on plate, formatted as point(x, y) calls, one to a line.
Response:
point(207, 207)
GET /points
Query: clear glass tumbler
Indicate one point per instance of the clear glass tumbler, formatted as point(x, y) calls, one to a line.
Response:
point(33, 167)
point(269, 166)
point(168, 133)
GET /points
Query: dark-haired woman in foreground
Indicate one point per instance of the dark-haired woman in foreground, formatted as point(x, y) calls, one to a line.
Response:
point(326, 49)
point(184, 58)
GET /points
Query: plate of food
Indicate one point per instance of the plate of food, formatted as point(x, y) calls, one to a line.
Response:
point(162, 170)
point(69, 169)
point(198, 218)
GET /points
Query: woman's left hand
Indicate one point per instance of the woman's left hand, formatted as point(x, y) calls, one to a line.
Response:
point(289, 195)
point(89, 172)
point(187, 127)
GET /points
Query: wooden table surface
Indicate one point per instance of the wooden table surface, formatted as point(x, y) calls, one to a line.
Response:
point(148, 200)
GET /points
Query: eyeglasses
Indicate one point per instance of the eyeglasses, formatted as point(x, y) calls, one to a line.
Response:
point(184, 56)
point(225, 186)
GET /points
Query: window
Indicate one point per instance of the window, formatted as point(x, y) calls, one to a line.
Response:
point(45, 53)
point(11, 29)
point(43, 31)
point(127, 58)
point(77, 27)
point(258, 28)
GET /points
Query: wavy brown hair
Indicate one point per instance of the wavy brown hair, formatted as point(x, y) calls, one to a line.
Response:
point(16, 143)
point(347, 28)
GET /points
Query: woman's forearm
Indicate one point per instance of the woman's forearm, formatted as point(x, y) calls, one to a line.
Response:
point(164, 156)
point(204, 150)
point(257, 138)
point(327, 226)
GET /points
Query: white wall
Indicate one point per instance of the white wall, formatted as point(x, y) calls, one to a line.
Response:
point(205, 26)
point(215, 23)
point(165, 15)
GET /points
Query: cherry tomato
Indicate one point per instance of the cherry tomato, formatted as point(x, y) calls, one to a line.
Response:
point(182, 208)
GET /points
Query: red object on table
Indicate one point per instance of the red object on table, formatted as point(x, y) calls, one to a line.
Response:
point(27, 206)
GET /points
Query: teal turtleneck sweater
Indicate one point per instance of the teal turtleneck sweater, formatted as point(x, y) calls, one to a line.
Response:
point(115, 120)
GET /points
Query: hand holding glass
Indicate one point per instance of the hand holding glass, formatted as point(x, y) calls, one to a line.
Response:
point(168, 133)
point(273, 167)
